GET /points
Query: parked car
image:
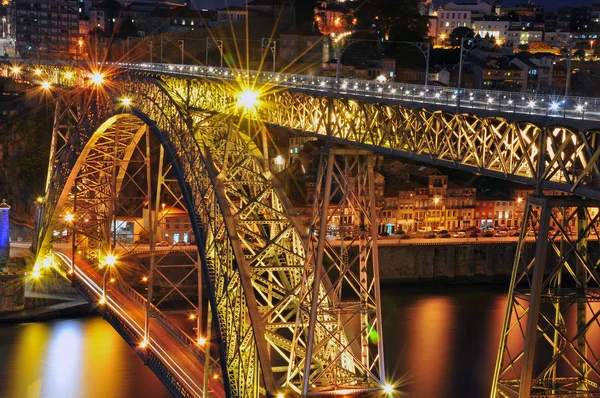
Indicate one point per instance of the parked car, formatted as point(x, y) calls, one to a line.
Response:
point(430, 236)
point(473, 235)
point(404, 237)
point(425, 229)
point(163, 243)
point(475, 229)
point(501, 233)
point(443, 231)
point(181, 243)
point(384, 233)
point(446, 235)
point(460, 234)
point(400, 232)
point(515, 233)
point(487, 234)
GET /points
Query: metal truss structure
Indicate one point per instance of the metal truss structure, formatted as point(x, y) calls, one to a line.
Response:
point(553, 157)
point(549, 341)
point(349, 271)
point(265, 276)
point(252, 248)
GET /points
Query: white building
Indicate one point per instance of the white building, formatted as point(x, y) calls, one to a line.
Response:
point(495, 29)
point(515, 38)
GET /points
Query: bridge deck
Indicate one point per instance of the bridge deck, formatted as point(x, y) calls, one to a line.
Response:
point(165, 352)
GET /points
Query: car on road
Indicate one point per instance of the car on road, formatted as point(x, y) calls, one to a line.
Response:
point(404, 237)
point(384, 233)
point(473, 235)
point(501, 233)
point(460, 234)
point(446, 235)
point(442, 232)
point(487, 234)
point(163, 243)
point(515, 233)
point(181, 243)
point(430, 236)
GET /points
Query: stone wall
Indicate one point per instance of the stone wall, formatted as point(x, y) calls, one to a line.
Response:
point(12, 292)
point(449, 261)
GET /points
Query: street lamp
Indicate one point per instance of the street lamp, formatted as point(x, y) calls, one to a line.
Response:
point(248, 99)
point(270, 44)
point(181, 46)
point(109, 261)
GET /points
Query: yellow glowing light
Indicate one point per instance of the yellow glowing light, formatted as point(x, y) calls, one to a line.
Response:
point(436, 200)
point(499, 42)
point(46, 262)
point(97, 78)
point(280, 395)
point(110, 260)
point(443, 36)
point(143, 344)
point(201, 341)
point(519, 200)
point(40, 199)
point(388, 389)
point(247, 99)
point(69, 217)
point(80, 42)
point(112, 280)
point(145, 279)
point(126, 101)
point(46, 85)
point(16, 70)
point(381, 78)
point(38, 71)
point(215, 376)
point(192, 317)
point(36, 274)
point(68, 75)
point(102, 301)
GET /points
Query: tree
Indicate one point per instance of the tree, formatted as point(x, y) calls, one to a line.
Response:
point(579, 54)
point(393, 20)
point(458, 34)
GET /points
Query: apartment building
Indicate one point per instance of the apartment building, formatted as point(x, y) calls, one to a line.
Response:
point(48, 28)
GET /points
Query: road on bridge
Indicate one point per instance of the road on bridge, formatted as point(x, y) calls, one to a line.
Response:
point(176, 355)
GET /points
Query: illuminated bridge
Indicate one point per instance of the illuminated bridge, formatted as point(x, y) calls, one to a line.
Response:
point(287, 313)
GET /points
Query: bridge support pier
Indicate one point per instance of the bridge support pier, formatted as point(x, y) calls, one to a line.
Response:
point(347, 265)
point(548, 345)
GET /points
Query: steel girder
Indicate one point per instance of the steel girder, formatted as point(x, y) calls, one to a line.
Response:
point(554, 157)
point(250, 243)
point(549, 341)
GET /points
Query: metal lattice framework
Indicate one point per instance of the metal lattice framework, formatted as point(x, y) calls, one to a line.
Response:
point(549, 339)
point(251, 248)
point(554, 157)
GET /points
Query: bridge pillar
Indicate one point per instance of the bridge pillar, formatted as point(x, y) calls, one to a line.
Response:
point(548, 346)
point(343, 246)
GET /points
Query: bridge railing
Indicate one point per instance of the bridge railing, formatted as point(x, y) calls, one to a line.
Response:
point(463, 100)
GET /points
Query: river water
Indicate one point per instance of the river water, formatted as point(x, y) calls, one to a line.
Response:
point(440, 342)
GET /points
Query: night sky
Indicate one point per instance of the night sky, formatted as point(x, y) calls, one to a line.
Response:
point(548, 5)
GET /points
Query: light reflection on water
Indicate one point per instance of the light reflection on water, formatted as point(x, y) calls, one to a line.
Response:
point(442, 342)
point(71, 359)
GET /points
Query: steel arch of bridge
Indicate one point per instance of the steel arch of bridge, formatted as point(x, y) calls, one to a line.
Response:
point(251, 246)
point(545, 157)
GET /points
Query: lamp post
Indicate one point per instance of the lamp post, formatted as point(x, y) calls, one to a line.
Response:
point(181, 44)
point(150, 46)
point(3, 27)
point(162, 44)
point(109, 262)
point(219, 45)
point(270, 44)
